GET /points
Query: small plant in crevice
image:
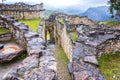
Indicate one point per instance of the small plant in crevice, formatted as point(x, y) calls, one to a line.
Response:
point(74, 36)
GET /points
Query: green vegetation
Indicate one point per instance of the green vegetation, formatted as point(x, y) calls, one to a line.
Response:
point(73, 36)
point(110, 23)
point(3, 30)
point(110, 66)
point(32, 23)
point(114, 8)
point(61, 20)
point(62, 62)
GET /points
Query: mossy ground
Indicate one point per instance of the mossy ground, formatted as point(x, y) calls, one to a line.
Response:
point(62, 62)
point(3, 30)
point(32, 23)
point(109, 66)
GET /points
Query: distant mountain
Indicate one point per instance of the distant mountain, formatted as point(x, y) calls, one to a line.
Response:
point(98, 13)
point(95, 13)
point(69, 10)
point(47, 13)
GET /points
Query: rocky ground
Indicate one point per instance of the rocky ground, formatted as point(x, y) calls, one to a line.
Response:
point(4, 68)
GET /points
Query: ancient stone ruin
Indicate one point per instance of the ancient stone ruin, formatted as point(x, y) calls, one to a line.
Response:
point(40, 64)
point(21, 10)
point(93, 40)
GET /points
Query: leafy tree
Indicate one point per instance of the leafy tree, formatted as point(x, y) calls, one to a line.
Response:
point(114, 8)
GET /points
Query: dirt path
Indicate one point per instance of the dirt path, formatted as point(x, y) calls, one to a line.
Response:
point(62, 61)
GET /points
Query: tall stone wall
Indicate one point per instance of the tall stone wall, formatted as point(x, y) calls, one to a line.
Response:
point(22, 11)
point(40, 64)
point(63, 39)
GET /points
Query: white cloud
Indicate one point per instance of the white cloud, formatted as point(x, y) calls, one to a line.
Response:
point(64, 3)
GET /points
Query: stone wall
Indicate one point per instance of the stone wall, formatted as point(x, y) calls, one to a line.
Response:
point(22, 11)
point(91, 44)
point(93, 41)
point(40, 64)
point(5, 37)
point(57, 30)
point(63, 39)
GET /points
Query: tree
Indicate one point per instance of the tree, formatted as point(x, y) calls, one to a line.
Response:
point(3, 1)
point(114, 8)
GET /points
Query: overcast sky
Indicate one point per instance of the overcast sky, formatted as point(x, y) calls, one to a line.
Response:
point(64, 3)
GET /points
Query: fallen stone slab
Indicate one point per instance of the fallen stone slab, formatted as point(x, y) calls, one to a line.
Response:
point(9, 52)
point(91, 59)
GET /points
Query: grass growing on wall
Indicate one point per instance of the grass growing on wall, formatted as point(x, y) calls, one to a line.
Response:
point(73, 36)
point(62, 62)
point(3, 30)
point(61, 20)
point(32, 23)
point(109, 66)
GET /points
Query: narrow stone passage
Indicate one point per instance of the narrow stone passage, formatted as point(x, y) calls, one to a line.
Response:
point(62, 61)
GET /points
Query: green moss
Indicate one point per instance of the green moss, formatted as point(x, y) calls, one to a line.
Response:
point(110, 23)
point(61, 20)
point(3, 30)
point(110, 66)
point(32, 23)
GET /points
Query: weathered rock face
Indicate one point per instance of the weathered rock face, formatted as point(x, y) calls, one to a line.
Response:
point(22, 11)
point(9, 52)
point(40, 64)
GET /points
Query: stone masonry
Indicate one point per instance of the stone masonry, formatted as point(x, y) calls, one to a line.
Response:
point(22, 11)
point(40, 64)
point(93, 40)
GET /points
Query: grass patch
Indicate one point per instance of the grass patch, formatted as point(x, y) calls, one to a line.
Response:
point(61, 20)
point(110, 23)
point(110, 66)
point(3, 30)
point(62, 62)
point(32, 23)
point(74, 36)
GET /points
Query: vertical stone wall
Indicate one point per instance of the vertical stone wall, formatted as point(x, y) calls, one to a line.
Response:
point(22, 11)
point(40, 64)
point(63, 39)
